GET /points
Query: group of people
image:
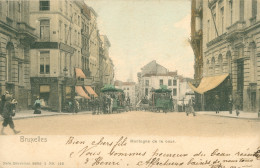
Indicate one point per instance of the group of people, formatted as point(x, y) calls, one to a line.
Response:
point(7, 110)
point(236, 102)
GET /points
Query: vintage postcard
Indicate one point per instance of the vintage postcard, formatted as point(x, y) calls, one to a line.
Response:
point(130, 83)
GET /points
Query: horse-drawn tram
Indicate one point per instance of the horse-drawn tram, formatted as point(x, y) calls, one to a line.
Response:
point(161, 99)
point(113, 99)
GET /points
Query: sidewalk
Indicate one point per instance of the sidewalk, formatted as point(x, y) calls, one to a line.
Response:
point(242, 115)
point(29, 114)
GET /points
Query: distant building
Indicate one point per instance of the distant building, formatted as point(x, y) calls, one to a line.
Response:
point(152, 76)
point(129, 89)
point(16, 36)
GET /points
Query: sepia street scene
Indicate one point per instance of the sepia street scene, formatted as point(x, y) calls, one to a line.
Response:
point(161, 68)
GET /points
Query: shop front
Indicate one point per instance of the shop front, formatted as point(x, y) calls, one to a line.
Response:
point(213, 86)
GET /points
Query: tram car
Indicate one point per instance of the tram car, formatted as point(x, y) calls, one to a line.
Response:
point(113, 99)
point(161, 99)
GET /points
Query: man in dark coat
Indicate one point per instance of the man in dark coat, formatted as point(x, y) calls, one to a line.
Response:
point(217, 104)
point(8, 113)
point(237, 103)
point(230, 104)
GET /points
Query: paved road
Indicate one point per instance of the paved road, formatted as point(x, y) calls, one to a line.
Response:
point(138, 123)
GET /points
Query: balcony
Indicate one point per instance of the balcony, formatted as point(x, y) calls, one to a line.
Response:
point(216, 40)
point(26, 31)
point(235, 31)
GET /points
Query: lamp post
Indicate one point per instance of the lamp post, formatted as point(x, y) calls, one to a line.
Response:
point(65, 73)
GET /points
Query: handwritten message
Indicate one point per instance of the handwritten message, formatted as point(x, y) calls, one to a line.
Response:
point(100, 151)
point(106, 153)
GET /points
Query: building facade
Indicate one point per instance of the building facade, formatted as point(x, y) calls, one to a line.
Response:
point(16, 36)
point(129, 89)
point(57, 52)
point(106, 65)
point(231, 38)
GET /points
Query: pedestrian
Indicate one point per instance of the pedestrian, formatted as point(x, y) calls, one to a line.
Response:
point(217, 104)
point(230, 103)
point(76, 106)
point(3, 100)
point(191, 107)
point(37, 106)
point(8, 113)
point(237, 103)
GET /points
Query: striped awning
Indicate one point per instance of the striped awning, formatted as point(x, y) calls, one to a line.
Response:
point(80, 91)
point(209, 83)
point(79, 73)
point(91, 91)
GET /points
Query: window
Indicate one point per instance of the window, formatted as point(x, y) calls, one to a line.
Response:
point(254, 8)
point(174, 92)
point(220, 61)
point(213, 65)
point(174, 82)
point(231, 11)
point(214, 21)
point(44, 5)
point(45, 30)
point(222, 20)
point(146, 91)
point(169, 82)
point(228, 56)
point(241, 5)
point(161, 82)
point(66, 7)
point(146, 82)
point(253, 61)
point(60, 31)
point(208, 30)
point(20, 73)
point(66, 34)
point(45, 62)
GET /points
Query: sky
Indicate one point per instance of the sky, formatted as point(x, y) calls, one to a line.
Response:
point(144, 30)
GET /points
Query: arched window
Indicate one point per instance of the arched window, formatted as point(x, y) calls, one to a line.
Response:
point(253, 62)
point(213, 65)
point(207, 67)
point(220, 62)
point(229, 65)
point(8, 61)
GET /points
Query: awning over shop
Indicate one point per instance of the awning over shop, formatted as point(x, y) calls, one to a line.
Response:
point(79, 73)
point(79, 90)
point(91, 91)
point(208, 83)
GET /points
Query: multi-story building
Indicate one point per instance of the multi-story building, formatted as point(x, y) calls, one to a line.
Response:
point(152, 76)
point(106, 64)
point(129, 89)
point(94, 46)
point(16, 36)
point(196, 38)
point(196, 44)
point(56, 55)
point(231, 35)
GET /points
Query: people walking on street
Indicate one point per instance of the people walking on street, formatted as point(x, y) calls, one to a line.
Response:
point(230, 104)
point(37, 106)
point(237, 103)
point(190, 108)
point(217, 104)
point(8, 113)
point(76, 106)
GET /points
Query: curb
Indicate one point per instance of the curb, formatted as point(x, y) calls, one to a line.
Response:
point(48, 115)
point(231, 117)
